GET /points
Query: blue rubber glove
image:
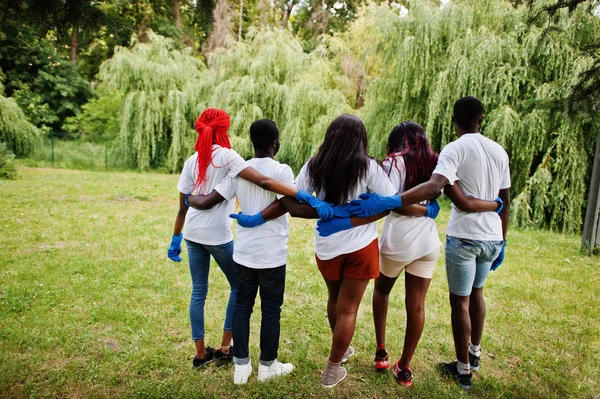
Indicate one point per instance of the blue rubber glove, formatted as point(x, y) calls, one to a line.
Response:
point(248, 220)
point(185, 200)
point(433, 208)
point(175, 248)
point(342, 211)
point(332, 226)
point(372, 204)
point(496, 263)
point(499, 200)
point(324, 210)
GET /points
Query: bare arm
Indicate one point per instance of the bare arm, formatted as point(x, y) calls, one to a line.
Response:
point(356, 221)
point(468, 204)
point(267, 183)
point(180, 218)
point(412, 210)
point(424, 191)
point(505, 213)
point(203, 202)
point(291, 205)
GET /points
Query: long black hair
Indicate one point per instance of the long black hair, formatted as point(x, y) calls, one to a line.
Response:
point(341, 161)
point(409, 140)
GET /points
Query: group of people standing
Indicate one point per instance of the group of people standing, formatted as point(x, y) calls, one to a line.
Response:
point(347, 191)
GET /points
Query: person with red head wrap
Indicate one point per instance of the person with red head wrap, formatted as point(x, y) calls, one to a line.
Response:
point(208, 230)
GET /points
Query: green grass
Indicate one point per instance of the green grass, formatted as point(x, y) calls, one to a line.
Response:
point(78, 154)
point(90, 306)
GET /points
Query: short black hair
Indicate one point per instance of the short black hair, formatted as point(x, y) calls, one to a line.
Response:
point(262, 133)
point(467, 111)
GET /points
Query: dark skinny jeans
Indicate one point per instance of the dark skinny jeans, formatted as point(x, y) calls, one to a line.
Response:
point(272, 284)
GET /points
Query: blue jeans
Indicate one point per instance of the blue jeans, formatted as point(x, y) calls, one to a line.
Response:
point(272, 284)
point(199, 256)
point(468, 263)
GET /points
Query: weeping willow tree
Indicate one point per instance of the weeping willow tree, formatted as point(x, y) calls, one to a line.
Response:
point(269, 76)
point(16, 132)
point(433, 56)
point(163, 93)
point(266, 76)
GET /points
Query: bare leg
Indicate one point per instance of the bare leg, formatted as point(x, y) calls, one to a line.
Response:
point(477, 314)
point(416, 289)
point(350, 294)
point(200, 349)
point(226, 341)
point(461, 326)
point(333, 291)
point(381, 294)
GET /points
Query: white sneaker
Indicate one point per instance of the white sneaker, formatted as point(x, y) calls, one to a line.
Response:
point(242, 372)
point(274, 370)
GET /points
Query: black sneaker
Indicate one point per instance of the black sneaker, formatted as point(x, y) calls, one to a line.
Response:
point(209, 358)
point(451, 370)
point(223, 359)
point(474, 361)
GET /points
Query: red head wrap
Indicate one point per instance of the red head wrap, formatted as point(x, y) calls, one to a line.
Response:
point(211, 126)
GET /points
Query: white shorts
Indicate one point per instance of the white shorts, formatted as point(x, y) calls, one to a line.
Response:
point(422, 267)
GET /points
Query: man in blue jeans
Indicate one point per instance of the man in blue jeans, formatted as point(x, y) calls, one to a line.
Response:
point(474, 241)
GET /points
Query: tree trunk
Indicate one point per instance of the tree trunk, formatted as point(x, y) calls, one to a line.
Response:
point(74, 41)
point(177, 13)
point(241, 14)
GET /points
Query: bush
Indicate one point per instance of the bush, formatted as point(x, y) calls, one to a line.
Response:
point(7, 165)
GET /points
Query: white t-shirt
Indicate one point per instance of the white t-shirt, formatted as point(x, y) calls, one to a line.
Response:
point(481, 165)
point(405, 238)
point(348, 241)
point(264, 246)
point(212, 226)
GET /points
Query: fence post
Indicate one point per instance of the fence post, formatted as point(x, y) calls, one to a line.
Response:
point(105, 153)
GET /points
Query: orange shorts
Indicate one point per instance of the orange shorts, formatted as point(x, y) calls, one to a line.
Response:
point(362, 264)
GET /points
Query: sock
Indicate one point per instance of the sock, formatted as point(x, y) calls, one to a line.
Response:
point(475, 349)
point(463, 368)
point(333, 365)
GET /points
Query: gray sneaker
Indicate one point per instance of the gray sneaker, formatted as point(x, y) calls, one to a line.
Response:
point(348, 354)
point(333, 374)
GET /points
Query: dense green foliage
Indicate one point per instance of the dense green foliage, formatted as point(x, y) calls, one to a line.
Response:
point(434, 56)
point(266, 76)
point(161, 88)
point(269, 76)
point(7, 164)
point(19, 136)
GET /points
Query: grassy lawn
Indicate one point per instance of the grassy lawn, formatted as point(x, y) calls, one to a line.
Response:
point(90, 306)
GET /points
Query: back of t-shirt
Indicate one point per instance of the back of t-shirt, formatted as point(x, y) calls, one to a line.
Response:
point(264, 246)
point(481, 165)
point(211, 226)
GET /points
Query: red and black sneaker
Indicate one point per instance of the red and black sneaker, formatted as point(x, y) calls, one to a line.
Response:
point(403, 376)
point(381, 361)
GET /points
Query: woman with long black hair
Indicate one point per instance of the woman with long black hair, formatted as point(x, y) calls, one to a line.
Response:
point(340, 172)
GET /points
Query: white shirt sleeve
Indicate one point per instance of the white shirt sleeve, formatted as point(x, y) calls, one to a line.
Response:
point(448, 162)
point(303, 180)
point(235, 163)
point(186, 180)
point(227, 188)
point(505, 176)
point(286, 176)
point(378, 181)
